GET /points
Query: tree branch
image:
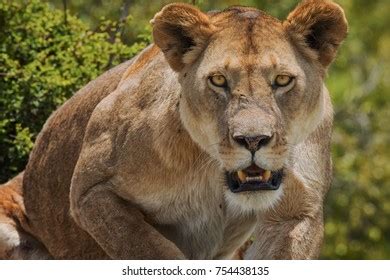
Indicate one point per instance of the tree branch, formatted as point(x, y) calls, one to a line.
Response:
point(120, 28)
point(65, 4)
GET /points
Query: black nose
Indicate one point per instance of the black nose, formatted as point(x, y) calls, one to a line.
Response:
point(252, 143)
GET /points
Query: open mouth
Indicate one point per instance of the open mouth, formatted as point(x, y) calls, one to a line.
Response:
point(254, 178)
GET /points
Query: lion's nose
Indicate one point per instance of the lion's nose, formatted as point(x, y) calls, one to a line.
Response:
point(252, 143)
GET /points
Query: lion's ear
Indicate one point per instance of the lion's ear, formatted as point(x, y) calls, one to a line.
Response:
point(321, 24)
point(182, 32)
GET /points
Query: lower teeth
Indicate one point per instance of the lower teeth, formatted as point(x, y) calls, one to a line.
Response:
point(260, 178)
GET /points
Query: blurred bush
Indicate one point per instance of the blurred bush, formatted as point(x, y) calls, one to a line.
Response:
point(358, 205)
point(45, 56)
point(43, 60)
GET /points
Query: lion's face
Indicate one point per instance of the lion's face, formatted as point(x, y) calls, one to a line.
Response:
point(250, 92)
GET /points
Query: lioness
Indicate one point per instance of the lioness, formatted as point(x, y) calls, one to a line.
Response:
point(217, 132)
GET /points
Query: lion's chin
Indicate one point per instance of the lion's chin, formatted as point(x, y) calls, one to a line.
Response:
point(249, 202)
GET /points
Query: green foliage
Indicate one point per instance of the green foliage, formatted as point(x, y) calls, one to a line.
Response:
point(43, 61)
point(358, 206)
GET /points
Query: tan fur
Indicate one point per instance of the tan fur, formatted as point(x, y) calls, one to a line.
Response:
point(133, 166)
point(144, 58)
point(15, 242)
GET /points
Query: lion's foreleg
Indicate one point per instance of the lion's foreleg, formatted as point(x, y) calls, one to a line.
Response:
point(119, 227)
point(294, 228)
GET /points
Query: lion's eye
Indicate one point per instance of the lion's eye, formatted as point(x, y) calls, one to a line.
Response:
point(218, 80)
point(283, 80)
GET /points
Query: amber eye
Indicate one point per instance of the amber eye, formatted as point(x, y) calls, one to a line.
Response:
point(218, 80)
point(283, 80)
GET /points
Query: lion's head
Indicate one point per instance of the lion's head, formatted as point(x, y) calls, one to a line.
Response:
point(252, 86)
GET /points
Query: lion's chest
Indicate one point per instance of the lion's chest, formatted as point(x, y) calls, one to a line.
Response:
point(198, 221)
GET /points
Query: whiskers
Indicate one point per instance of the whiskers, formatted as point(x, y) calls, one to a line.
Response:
point(213, 145)
point(203, 161)
point(210, 163)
